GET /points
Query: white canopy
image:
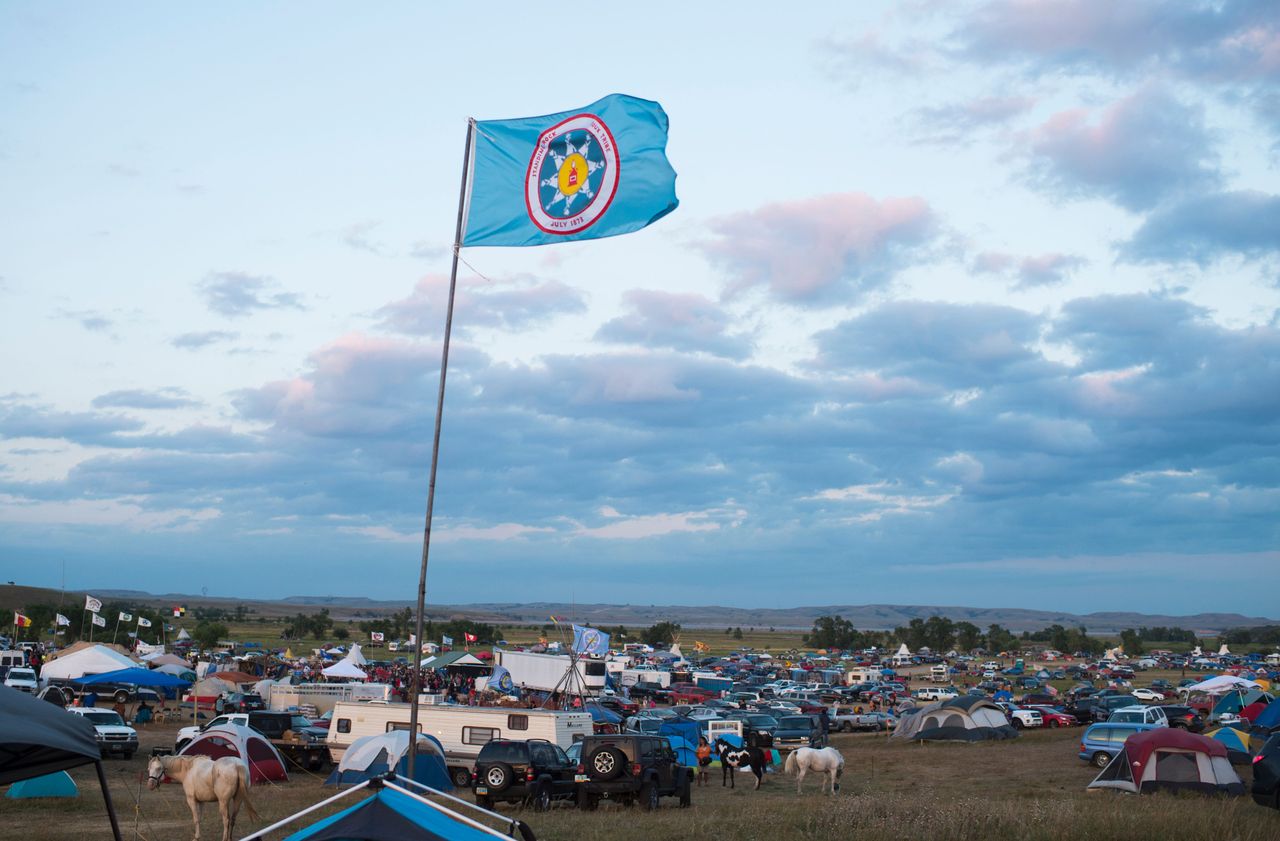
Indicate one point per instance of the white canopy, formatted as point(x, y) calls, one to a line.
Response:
point(903, 651)
point(344, 668)
point(1224, 650)
point(355, 655)
point(1221, 683)
point(183, 635)
point(94, 660)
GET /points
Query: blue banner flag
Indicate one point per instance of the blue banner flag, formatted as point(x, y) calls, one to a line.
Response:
point(590, 640)
point(597, 171)
point(501, 681)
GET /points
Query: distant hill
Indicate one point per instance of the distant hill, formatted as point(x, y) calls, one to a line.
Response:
point(866, 617)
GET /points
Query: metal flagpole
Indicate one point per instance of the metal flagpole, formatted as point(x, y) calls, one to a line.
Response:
point(416, 684)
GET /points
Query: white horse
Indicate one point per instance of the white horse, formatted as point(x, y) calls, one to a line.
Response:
point(825, 761)
point(205, 780)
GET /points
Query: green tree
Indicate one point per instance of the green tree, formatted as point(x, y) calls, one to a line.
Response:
point(737, 633)
point(999, 639)
point(968, 636)
point(663, 633)
point(832, 632)
point(341, 633)
point(940, 634)
point(1130, 641)
point(207, 634)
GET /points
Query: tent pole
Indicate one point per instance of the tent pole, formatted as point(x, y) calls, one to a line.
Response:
point(416, 684)
point(106, 795)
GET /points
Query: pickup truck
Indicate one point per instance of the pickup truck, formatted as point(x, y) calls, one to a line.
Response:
point(936, 693)
point(846, 720)
point(305, 747)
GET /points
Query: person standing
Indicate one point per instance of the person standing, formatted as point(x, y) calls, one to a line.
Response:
point(824, 726)
point(703, 752)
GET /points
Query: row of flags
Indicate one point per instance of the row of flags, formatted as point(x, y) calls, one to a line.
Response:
point(379, 636)
point(94, 606)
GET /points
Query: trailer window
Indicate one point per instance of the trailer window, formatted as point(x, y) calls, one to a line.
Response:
point(517, 722)
point(478, 735)
point(594, 668)
point(400, 725)
point(344, 725)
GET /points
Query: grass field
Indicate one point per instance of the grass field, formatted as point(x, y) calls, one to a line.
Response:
point(1031, 788)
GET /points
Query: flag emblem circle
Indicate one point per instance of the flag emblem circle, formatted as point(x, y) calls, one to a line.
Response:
point(572, 176)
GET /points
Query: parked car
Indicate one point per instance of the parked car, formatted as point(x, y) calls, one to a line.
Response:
point(115, 738)
point(630, 768)
point(1103, 741)
point(795, 730)
point(758, 729)
point(1022, 717)
point(1183, 716)
point(1139, 715)
point(622, 706)
point(22, 679)
point(239, 702)
point(1055, 717)
point(532, 771)
point(1145, 694)
point(1266, 773)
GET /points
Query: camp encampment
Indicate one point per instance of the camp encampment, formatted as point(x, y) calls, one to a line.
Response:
point(250, 746)
point(1170, 759)
point(89, 660)
point(373, 756)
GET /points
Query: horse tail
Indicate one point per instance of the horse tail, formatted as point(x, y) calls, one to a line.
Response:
point(792, 765)
point(242, 795)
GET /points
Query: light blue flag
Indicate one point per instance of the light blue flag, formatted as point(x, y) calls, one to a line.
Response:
point(590, 640)
point(501, 681)
point(597, 171)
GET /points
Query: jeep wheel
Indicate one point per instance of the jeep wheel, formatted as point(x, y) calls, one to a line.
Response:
point(461, 777)
point(587, 801)
point(497, 777)
point(605, 763)
point(541, 800)
point(1101, 759)
point(649, 796)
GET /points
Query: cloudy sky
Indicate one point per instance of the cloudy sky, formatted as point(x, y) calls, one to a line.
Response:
point(965, 303)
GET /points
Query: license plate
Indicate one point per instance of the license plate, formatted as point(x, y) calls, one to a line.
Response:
point(482, 789)
point(579, 778)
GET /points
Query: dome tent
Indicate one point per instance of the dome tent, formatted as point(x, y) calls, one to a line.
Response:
point(967, 718)
point(245, 744)
point(374, 756)
point(1171, 759)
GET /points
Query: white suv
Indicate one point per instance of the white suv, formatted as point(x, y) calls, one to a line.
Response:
point(114, 736)
point(1139, 715)
point(22, 679)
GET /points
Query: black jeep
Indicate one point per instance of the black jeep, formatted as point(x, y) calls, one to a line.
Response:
point(631, 769)
point(532, 771)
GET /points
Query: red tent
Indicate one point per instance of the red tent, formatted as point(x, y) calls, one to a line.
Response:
point(1253, 710)
point(264, 761)
point(1173, 759)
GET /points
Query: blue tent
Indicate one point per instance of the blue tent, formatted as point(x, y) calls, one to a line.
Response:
point(1269, 718)
point(134, 676)
point(388, 815)
point(685, 751)
point(372, 756)
point(682, 728)
point(599, 713)
point(57, 784)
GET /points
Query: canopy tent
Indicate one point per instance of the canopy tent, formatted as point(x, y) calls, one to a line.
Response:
point(210, 688)
point(236, 677)
point(374, 756)
point(1238, 743)
point(57, 784)
point(134, 676)
point(37, 738)
point(183, 672)
point(1221, 683)
point(452, 659)
point(344, 669)
point(355, 655)
point(1172, 759)
point(91, 660)
point(82, 645)
point(243, 743)
point(394, 814)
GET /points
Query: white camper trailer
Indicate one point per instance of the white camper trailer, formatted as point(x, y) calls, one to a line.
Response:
point(461, 730)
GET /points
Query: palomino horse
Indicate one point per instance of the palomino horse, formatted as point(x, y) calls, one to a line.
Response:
point(731, 759)
point(205, 780)
point(825, 761)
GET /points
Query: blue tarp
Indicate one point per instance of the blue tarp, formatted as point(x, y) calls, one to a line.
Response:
point(599, 713)
point(136, 677)
point(682, 728)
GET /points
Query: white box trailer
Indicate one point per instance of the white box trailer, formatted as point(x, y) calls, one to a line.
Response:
point(649, 677)
point(545, 672)
point(461, 730)
point(323, 696)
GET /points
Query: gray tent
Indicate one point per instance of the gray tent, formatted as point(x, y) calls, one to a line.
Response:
point(968, 718)
point(37, 738)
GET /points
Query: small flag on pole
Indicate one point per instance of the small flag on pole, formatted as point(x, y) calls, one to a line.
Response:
point(596, 171)
point(446, 640)
point(470, 638)
point(62, 620)
point(92, 605)
point(179, 610)
point(126, 617)
point(21, 621)
point(99, 621)
point(590, 640)
point(144, 623)
point(376, 636)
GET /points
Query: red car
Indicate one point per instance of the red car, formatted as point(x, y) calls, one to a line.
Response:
point(690, 695)
point(619, 705)
point(1053, 717)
